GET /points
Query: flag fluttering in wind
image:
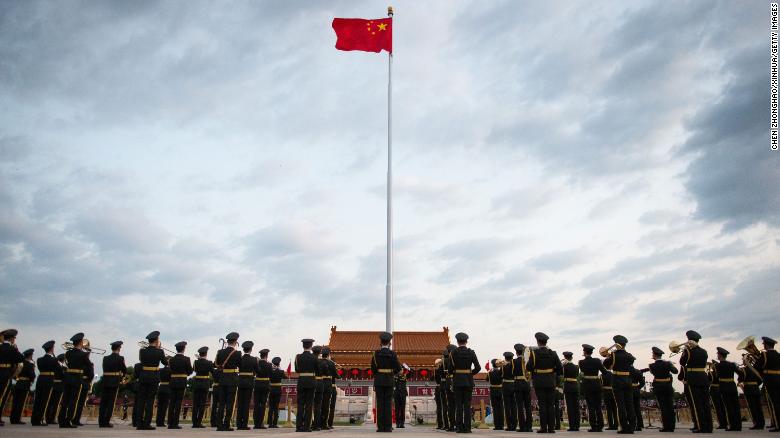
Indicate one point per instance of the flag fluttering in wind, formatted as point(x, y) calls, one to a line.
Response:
point(364, 35)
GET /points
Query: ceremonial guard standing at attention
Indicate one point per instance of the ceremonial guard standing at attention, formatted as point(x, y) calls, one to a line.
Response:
point(637, 383)
point(181, 368)
point(228, 360)
point(164, 393)
point(662, 371)
point(495, 379)
point(591, 387)
point(545, 367)
point(438, 394)
point(525, 416)
point(86, 385)
point(247, 371)
point(22, 388)
point(10, 357)
point(571, 391)
point(44, 387)
point(450, 388)
point(200, 387)
point(726, 372)
point(508, 391)
point(464, 365)
point(384, 365)
point(399, 397)
point(329, 399)
point(150, 358)
point(114, 369)
point(319, 373)
point(77, 360)
point(619, 363)
point(610, 405)
point(52, 410)
point(262, 386)
point(694, 360)
point(446, 390)
point(306, 367)
point(768, 364)
point(275, 393)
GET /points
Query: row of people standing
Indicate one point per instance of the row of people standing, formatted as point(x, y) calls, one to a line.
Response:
point(316, 388)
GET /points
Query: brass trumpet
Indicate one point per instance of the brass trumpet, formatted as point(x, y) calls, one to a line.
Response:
point(144, 344)
point(605, 352)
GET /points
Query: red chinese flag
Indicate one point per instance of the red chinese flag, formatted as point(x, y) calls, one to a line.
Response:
point(487, 366)
point(289, 369)
point(365, 35)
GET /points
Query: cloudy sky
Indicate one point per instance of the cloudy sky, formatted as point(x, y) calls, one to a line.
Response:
point(199, 167)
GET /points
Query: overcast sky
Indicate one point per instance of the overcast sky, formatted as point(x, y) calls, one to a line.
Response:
point(581, 168)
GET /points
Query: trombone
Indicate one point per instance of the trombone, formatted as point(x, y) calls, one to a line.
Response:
point(67, 346)
point(144, 344)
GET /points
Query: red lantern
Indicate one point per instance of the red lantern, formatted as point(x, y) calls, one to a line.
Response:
point(370, 373)
point(423, 373)
point(355, 372)
point(340, 372)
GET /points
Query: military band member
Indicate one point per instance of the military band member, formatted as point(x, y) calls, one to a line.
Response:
point(545, 367)
point(86, 386)
point(150, 357)
point(384, 365)
point(306, 366)
point(522, 392)
point(137, 408)
point(181, 368)
point(22, 388)
point(464, 364)
point(275, 393)
point(399, 396)
point(495, 380)
point(591, 387)
point(662, 371)
point(450, 388)
point(316, 417)
point(728, 390)
point(618, 363)
point(163, 394)
point(200, 387)
point(750, 381)
point(609, 400)
point(694, 360)
point(768, 364)
point(53, 406)
point(330, 391)
point(716, 399)
point(44, 387)
point(571, 391)
point(637, 383)
point(228, 360)
point(247, 371)
point(114, 370)
point(10, 357)
point(438, 395)
point(262, 387)
point(215, 400)
point(78, 361)
point(507, 372)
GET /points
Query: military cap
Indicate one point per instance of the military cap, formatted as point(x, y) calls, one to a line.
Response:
point(48, 345)
point(276, 361)
point(768, 341)
point(10, 333)
point(264, 352)
point(620, 339)
point(180, 344)
point(541, 337)
point(385, 336)
point(232, 336)
point(492, 362)
point(307, 341)
point(61, 357)
point(508, 355)
point(658, 351)
point(461, 337)
point(692, 335)
point(317, 349)
point(587, 348)
point(203, 350)
point(153, 336)
point(568, 354)
point(247, 344)
point(723, 351)
point(519, 348)
point(77, 338)
point(116, 344)
point(28, 352)
point(325, 351)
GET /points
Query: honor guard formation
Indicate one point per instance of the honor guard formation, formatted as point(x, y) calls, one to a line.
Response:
point(236, 378)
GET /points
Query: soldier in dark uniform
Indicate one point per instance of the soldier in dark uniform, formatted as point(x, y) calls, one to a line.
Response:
point(200, 387)
point(609, 400)
point(22, 388)
point(495, 380)
point(637, 383)
point(86, 386)
point(545, 367)
point(525, 416)
point(438, 377)
point(306, 367)
point(751, 381)
point(768, 364)
point(694, 359)
point(619, 363)
point(78, 361)
point(384, 365)
point(262, 386)
point(728, 390)
point(507, 373)
point(662, 371)
point(444, 388)
point(150, 358)
point(137, 408)
point(399, 397)
point(571, 391)
point(275, 393)
point(164, 393)
point(247, 371)
point(464, 364)
point(319, 373)
point(591, 387)
point(450, 388)
point(228, 360)
point(114, 369)
point(10, 357)
point(215, 400)
point(329, 396)
point(44, 387)
point(181, 368)
point(53, 406)
point(716, 399)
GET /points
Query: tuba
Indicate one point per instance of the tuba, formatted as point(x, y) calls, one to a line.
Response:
point(752, 353)
point(605, 352)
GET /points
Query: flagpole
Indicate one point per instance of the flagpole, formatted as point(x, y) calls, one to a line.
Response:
point(389, 286)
